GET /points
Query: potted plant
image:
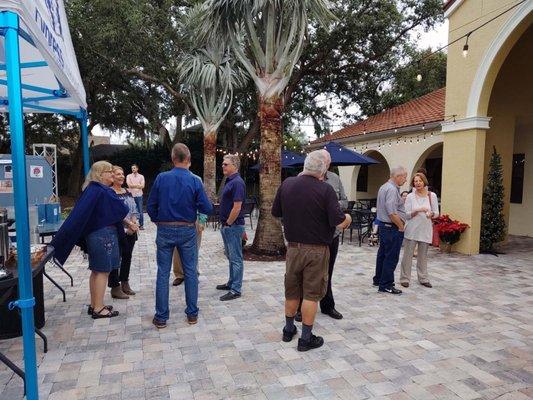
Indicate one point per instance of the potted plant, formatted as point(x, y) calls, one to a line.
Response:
point(449, 231)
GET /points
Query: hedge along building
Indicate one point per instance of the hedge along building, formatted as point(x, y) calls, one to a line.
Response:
point(408, 135)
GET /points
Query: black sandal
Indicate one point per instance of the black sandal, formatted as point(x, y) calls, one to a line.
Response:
point(110, 314)
point(90, 310)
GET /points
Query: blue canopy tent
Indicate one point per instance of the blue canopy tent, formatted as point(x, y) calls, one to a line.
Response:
point(38, 73)
point(289, 159)
point(342, 156)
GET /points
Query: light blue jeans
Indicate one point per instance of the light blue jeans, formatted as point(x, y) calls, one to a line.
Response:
point(139, 204)
point(232, 237)
point(184, 239)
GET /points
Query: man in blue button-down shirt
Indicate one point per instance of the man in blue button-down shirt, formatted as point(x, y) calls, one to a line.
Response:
point(175, 199)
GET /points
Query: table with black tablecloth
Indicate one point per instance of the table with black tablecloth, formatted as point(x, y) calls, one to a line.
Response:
point(10, 321)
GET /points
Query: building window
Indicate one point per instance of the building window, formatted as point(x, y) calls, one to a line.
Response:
point(362, 179)
point(517, 180)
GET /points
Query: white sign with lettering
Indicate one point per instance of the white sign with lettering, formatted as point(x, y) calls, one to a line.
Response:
point(44, 23)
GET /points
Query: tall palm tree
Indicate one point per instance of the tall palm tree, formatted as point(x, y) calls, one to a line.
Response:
point(209, 76)
point(267, 37)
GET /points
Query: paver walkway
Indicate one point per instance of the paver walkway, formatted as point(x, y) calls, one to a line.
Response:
point(469, 337)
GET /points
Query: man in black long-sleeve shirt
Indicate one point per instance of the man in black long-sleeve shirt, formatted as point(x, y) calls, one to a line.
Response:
point(310, 211)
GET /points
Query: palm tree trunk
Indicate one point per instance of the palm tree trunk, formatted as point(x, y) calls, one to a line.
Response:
point(210, 159)
point(269, 236)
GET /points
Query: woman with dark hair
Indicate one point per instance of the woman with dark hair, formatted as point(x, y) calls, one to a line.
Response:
point(420, 207)
point(95, 224)
point(119, 281)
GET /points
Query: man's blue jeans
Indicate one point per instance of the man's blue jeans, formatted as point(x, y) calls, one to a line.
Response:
point(390, 244)
point(232, 237)
point(184, 239)
point(139, 203)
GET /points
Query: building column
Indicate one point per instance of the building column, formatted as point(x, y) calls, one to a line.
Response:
point(463, 168)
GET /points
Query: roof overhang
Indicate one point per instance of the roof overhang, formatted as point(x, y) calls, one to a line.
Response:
point(451, 6)
point(390, 133)
point(51, 80)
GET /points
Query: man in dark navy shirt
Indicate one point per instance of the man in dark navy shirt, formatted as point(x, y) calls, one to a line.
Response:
point(232, 220)
point(174, 202)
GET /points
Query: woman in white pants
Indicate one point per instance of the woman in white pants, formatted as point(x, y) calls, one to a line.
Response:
point(420, 206)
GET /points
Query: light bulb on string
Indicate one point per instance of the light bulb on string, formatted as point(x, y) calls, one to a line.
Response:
point(465, 47)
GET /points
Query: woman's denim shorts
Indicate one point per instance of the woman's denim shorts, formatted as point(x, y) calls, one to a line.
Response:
point(103, 249)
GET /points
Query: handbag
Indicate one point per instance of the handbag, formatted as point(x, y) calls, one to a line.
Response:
point(435, 240)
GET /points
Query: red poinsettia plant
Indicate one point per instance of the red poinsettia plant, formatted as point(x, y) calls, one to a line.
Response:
point(449, 230)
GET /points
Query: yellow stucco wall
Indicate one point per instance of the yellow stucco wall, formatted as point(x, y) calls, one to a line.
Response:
point(462, 183)
point(461, 72)
point(491, 81)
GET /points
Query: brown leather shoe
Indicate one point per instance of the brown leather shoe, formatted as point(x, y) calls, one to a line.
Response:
point(117, 293)
point(192, 319)
point(426, 284)
point(405, 284)
point(126, 288)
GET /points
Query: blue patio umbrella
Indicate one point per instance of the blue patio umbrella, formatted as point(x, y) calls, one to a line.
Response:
point(289, 159)
point(342, 156)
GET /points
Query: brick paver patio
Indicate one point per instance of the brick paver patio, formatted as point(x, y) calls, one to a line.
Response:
point(470, 337)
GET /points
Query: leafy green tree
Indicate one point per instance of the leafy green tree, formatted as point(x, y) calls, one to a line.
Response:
point(492, 220)
point(404, 83)
point(353, 61)
point(210, 75)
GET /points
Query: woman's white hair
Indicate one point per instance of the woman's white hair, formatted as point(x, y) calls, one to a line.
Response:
point(316, 163)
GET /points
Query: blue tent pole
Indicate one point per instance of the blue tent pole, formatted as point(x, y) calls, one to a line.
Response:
point(10, 22)
point(84, 141)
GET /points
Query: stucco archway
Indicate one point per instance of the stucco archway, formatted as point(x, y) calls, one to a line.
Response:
point(494, 57)
point(368, 178)
point(511, 110)
point(431, 161)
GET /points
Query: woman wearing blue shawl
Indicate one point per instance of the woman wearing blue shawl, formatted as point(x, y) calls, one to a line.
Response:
point(94, 224)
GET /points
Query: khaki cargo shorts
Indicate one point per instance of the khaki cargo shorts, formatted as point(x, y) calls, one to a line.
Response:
point(306, 275)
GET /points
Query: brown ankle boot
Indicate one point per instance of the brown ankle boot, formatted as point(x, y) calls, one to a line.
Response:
point(117, 293)
point(126, 288)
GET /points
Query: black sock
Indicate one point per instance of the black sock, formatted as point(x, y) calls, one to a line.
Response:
point(306, 331)
point(289, 324)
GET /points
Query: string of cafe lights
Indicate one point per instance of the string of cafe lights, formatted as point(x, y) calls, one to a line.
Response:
point(466, 36)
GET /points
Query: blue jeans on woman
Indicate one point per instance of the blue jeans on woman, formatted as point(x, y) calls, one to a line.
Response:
point(232, 237)
point(184, 239)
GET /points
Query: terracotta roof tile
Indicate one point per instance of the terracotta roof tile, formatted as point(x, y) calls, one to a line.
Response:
point(423, 110)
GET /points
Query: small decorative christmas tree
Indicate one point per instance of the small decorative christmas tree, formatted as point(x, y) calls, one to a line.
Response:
point(492, 221)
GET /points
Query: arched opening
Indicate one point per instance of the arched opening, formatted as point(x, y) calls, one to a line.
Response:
point(495, 56)
point(370, 177)
point(431, 161)
point(511, 133)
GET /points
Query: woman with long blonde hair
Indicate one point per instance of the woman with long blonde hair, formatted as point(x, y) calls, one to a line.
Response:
point(95, 223)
